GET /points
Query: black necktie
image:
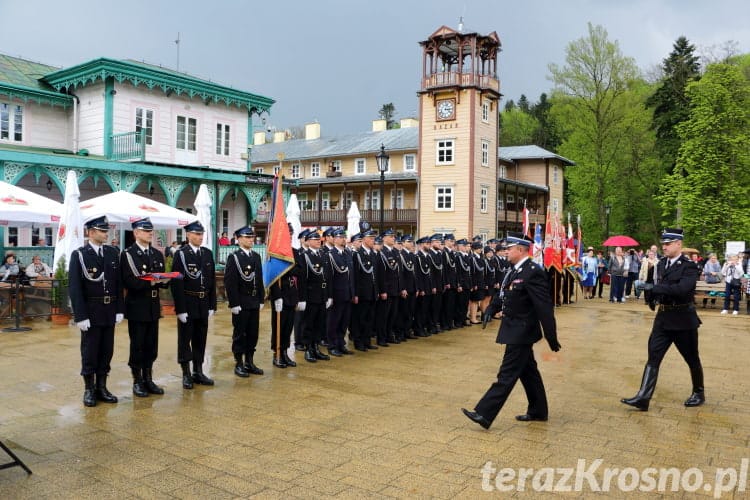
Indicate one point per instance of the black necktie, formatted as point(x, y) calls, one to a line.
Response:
point(669, 263)
point(101, 254)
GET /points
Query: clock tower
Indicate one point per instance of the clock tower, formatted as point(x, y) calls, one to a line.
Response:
point(458, 107)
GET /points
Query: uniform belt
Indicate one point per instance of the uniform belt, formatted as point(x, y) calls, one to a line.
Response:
point(104, 300)
point(200, 295)
point(251, 292)
point(674, 307)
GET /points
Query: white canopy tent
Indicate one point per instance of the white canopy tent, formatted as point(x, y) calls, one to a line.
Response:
point(123, 207)
point(70, 231)
point(22, 208)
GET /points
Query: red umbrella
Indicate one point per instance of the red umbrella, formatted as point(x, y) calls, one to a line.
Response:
point(620, 241)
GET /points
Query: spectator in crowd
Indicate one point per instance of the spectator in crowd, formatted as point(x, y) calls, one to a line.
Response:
point(646, 274)
point(732, 272)
point(618, 271)
point(9, 267)
point(590, 271)
point(632, 266)
point(601, 270)
point(711, 274)
point(170, 251)
point(38, 269)
point(115, 243)
point(224, 240)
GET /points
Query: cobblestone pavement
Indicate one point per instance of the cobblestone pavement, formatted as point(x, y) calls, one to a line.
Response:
point(380, 424)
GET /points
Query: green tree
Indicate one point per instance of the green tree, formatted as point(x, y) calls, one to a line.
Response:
point(711, 180)
point(590, 108)
point(523, 104)
point(388, 112)
point(509, 105)
point(517, 128)
point(670, 102)
point(546, 135)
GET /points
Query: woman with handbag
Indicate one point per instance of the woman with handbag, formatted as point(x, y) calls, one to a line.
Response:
point(732, 272)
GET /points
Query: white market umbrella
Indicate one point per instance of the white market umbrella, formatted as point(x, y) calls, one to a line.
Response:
point(70, 231)
point(203, 211)
point(352, 219)
point(293, 217)
point(22, 208)
point(123, 207)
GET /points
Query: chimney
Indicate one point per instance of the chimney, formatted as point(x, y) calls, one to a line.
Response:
point(279, 136)
point(379, 125)
point(259, 138)
point(312, 131)
point(409, 122)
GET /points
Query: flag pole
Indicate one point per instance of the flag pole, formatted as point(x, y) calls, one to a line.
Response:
point(278, 334)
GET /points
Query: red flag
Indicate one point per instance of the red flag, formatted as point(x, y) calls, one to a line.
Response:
point(279, 254)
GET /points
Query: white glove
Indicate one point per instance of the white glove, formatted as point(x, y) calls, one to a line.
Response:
point(84, 325)
point(260, 308)
point(278, 305)
point(182, 317)
point(300, 306)
point(236, 309)
point(329, 303)
point(119, 317)
point(211, 312)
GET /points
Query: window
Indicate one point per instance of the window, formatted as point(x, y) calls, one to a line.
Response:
point(37, 234)
point(325, 200)
point(444, 198)
point(372, 200)
point(276, 170)
point(179, 235)
point(555, 174)
point(295, 171)
point(315, 169)
point(304, 204)
point(503, 171)
point(144, 120)
point(360, 166)
point(11, 122)
point(445, 152)
point(259, 170)
point(336, 165)
point(410, 163)
point(13, 236)
point(485, 153)
point(225, 221)
point(222, 139)
point(486, 111)
point(346, 199)
point(186, 130)
point(483, 199)
point(397, 198)
point(500, 203)
point(555, 205)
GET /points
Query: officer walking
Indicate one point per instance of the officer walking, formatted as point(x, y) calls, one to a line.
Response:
point(194, 302)
point(676, 321)
point(526, 309)
point(142, 307)
point(243, 280)
point(95, 291)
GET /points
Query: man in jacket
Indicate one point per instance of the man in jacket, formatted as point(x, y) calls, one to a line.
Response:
point(676, 321)
point(526, 311)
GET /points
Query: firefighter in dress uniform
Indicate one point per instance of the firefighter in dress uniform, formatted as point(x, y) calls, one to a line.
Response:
point(285, 295)
point(95, 289)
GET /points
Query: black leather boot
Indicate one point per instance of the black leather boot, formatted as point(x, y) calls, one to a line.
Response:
point(239, 366)
point(139, 388)
point(102, 393)
point(89, 392)
point(187, 379)
point(310, 354)
point(318, 354)
point(149, 384)
point(199, 377)
point(698, 397)
point(648, 384)
point(278, 361)
point(289, 362)
point(250, 367)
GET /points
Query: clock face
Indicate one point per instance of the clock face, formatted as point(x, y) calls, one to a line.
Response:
point(445, 109)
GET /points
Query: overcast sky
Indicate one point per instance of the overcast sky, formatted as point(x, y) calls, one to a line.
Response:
point(338, 61)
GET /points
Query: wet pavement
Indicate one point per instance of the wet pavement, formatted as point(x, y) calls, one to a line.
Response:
point(386, 423)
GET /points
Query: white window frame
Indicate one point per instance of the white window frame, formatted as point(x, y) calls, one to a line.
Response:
point(372, 199)
point(500, 203)
point(486, 111)
point(296, 171)
point(485, 153)
point(10, 113)
point(360, 162)
point(397, 198)
point(502, 171)
point(259, 170)
point(315, 169)
point(223, 133)
point(445, 195)
point(555, 174)
point(188, 122)
point(145, 115)
point(304, 203)
point(510, 198)
point(555, 205)
point(445, 152)
point(483, 197)
point(410, 158)
point(225, 221)
point(347, 197)
point(336, 165)
point(276, 169)
point(325, 200)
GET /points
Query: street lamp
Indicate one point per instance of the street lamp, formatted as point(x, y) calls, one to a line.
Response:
point(382, 160)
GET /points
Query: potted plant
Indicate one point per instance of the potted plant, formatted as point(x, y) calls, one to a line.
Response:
point(165, 294)
point(60, 304)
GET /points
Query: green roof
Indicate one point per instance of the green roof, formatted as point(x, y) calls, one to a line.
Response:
point(21, 79)
point(167, 80)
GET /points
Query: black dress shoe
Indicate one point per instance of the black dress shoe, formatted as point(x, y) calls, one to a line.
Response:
point(187, 382)
point(252, 369)
point(477, 418)
point(361, 348)
point(346, 351)
point(240, 371)
point(289, 361)
point(530, 418)
point(279, 362)
point(383, 344)
point(371, 347)
point(695, 399)
point(200, 378)
point(310, 356)
point(335, 352)
point(300, 347)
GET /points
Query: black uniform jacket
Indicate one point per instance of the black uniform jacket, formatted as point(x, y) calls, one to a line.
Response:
point(88, 289)
point(243, 280)
point(388, 261)
point(424, 283)
point(142, 299)
point(463, 268)
point(289, 286)
point(342, 275)
point(195, 293)
point(676, 287)
point(407, 271)
point(528, 308)
point(317, 271)
point(365, 283)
